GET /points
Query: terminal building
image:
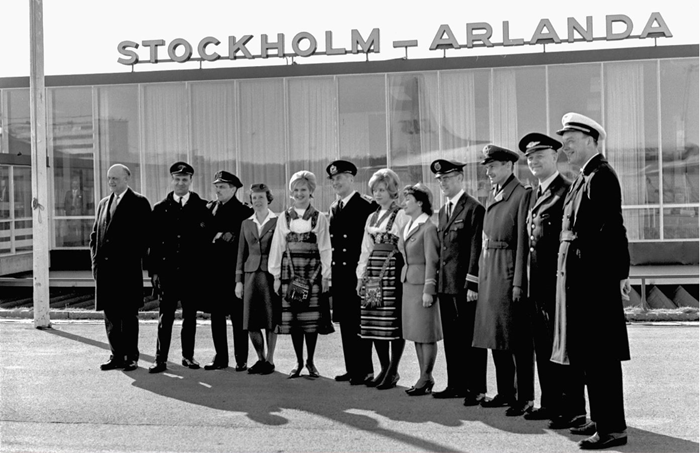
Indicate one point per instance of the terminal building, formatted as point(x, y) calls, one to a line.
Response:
point(265, 123)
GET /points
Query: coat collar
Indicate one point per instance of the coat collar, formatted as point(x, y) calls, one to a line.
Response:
point(505, 192)
point(552, 188)
point(459, 207)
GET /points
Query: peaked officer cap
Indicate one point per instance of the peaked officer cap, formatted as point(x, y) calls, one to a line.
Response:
point(534, 141)
point(577, 122)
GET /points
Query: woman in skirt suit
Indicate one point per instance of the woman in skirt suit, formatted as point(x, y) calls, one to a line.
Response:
point(419, 313)
point(301, 247)
point(382, 324)
point(254, 284)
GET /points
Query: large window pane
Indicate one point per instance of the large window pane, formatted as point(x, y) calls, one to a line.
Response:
point(362, 109)
point(118, 133)
point(165, 136)
point(22, 187)
point(642, 223)
point(464, 130)
point(681, 223)
point(312, 132)
point(679, 130)
point(19, 132)
point(213, 133)
point(71, 143)
point(414, 126)
point(262, 138)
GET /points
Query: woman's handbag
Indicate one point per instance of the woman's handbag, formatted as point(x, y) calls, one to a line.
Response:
point(372, 286)
point(299, 289)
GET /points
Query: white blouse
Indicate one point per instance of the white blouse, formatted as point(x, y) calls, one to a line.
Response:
point(368, 243)
point(299, 225)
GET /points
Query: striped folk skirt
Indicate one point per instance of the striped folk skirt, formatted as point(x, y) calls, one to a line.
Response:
point(301, 317)
point(383, 323)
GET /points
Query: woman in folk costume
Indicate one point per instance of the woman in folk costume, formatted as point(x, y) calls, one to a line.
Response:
point(301, 247)
point(380, 317)
point(254, 283)
point(420, 313)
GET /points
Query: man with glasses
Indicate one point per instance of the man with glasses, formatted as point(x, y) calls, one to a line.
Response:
point(459, 230)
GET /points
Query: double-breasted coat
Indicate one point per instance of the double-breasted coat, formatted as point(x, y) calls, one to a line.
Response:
point(593, 259)
point(225, 218)
point(180, 239)
point(118, 247)
point(544, 219)
point(347, 227)
point(500, 323)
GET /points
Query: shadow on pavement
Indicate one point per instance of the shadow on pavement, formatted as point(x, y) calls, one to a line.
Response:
point(263, 398)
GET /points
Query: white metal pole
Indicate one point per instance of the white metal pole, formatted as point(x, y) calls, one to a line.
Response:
point(40, 216)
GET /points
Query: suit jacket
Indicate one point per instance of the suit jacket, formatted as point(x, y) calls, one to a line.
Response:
point(180, 240)
point(421, 256)
point(593, 258)
point(117, 248)
point(544, 220)
point(254, 249)
point(500, 324)
point(460, 246)
point(347, 227)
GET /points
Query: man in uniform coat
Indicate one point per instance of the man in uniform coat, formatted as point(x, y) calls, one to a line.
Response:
point(545, 209)
point(227, 215)
point(502, 311)
point(460, 222)
point(117, 265)
point(178, 252)
point(592, 280)
point(348, 215)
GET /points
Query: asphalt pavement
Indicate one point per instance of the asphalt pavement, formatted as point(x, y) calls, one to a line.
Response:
point(54, 398)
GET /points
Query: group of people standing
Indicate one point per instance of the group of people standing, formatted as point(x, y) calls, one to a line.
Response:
point(538, 272)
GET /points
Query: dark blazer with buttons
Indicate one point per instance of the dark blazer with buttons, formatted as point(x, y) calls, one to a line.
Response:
point(544, 220)
point(460, 246)
point(118, 249)
point(254, 249)
point(347, 227)
point(179, 244)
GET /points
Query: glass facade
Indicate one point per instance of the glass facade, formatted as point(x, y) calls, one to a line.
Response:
point(265, 129)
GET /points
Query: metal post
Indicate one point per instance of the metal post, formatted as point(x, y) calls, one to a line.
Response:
point(40, 216)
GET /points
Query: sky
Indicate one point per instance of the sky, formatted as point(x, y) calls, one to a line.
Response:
point(81, 36)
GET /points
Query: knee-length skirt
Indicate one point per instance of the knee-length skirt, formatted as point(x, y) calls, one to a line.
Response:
point(383, 323)
point(295, 316)
point(261, 306)
point(419, 324)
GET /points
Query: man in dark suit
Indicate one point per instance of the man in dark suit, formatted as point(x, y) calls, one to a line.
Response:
point(181, 234)
point(545, 209)
point(593, 268)
point(227, 215)
point(117, 265)
point(459, 230)
point(348, 215)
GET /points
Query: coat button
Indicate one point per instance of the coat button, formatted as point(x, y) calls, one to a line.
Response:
point(532, 238)
point(344, 264)
point(345, 235)
point(532, 249)
point(344, 250)
point(333, 263)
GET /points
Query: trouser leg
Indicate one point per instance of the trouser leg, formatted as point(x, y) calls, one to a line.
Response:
point(240, 336)
point(114, 334)
point(605, 395)
point(452, 342)
point(505, 373)
point(189, 330)
point(166, 316)
point(130, 329)
point(219, 337)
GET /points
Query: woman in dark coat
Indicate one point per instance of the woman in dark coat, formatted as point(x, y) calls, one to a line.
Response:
point(254, 284)
point(420, 314)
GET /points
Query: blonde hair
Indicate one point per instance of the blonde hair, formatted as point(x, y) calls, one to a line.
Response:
point(389, 178)
point(303, 176)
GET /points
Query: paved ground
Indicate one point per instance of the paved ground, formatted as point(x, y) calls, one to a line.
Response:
point(54, 398)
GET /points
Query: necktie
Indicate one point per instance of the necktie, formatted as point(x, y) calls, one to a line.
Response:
point(340, 205)
point(539, 191)
point(181, 203)
point(449, 209)
point(113, 207)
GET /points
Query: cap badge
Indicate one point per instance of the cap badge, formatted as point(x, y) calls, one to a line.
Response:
point(334, 169)
point(532, 144)
point(437, 166)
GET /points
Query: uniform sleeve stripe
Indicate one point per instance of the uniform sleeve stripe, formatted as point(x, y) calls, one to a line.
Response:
point(472, 278)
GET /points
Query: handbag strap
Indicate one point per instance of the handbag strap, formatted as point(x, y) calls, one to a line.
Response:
point(314, 276)
point(387, 260)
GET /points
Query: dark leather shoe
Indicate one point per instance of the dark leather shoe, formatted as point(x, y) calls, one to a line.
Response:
point(541, 413)
point(343, 377)
point(424, 389)
point(389, 382)
point(131, 365)
point(473, 399)
point(587, 429)
point(497, 401)
point(256, 368)
point(215, 366)
point(361, 380)
point(267, 368)
point(241, 367)
point(157, 367)
point(192, 364)
point(567, 421)
point(449, 392)
point(599, 441)
point(519, 409)
point(376, 380)
point(112, 364)
point(313, 372)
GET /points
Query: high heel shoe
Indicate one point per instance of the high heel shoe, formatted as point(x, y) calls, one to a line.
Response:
point(389, 382)
point(296, 372)
point(313, 372)
point(377, 380)
point(425, 389)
